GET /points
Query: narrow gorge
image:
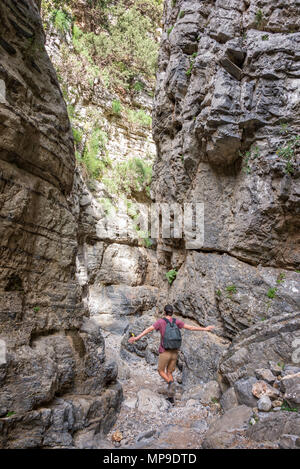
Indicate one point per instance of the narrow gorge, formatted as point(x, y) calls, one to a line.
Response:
point(107, 108)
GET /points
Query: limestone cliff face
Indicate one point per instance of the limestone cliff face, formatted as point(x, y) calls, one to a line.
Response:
point(226, 125)
point(55, 383)
point(227, 102)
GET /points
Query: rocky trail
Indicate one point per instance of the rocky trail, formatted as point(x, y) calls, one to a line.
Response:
point(148, 420)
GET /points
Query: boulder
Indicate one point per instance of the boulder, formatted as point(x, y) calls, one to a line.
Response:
point(221, 433)
point(274, 425)
point(148, 401)
point(265, 375)
point(259, 344)
point(289, 442)
point(243, 390)
point(229, 399)
point(290, 385)
point(261, 388)
point(264, 403)
point(275, 368)
point(206, 393)
point(290, 370)
point(199, 356)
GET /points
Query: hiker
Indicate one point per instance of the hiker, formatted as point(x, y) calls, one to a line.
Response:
point(170, 342)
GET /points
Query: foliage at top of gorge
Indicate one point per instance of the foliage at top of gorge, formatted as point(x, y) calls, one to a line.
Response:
point(105, 55)
point(116, 40)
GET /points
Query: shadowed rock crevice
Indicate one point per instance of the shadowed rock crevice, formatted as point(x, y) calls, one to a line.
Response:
point(54, 376)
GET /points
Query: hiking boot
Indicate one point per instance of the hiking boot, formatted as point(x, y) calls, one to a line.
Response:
point(171, 389)
point(171, 400)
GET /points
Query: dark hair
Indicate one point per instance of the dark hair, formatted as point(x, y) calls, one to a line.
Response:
point(169, 310)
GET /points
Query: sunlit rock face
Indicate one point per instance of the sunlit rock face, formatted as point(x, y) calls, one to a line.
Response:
point(227, 132)
point(226, 107)
point(54, 380)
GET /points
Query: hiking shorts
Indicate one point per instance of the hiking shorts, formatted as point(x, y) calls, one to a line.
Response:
point(167, 361)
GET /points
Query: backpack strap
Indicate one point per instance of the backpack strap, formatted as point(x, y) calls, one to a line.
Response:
point(171, 323)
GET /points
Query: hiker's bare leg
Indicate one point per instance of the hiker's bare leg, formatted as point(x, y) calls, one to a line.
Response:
point(172, 365)
point(164, 375)
point(163, 365)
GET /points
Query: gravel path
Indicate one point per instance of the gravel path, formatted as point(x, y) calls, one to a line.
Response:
point(147, 419)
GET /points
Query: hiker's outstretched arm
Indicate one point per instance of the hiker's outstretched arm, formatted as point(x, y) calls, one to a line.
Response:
point(146, 331)
point(198, 328)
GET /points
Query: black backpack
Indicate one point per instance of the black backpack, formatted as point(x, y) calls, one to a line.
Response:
point(172, 338)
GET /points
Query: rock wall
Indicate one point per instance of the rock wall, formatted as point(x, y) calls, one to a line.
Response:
point(56, 384)
point(226, 125)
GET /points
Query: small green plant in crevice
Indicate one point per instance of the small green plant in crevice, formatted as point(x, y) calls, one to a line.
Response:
point(116, 107)
point(174, 3)
point(263, 319)
point(148, 242)
point(138, 86)
point(139, 117)
point(77, 135)
point(10, 414)
point(144, 235)
point(231, 289)
point(107, 205)
point(284, 128)
point(71, 111)
point(36, 309)
point(169, 30)
point(247, 157)
point(171, 275)
point(215, 400)
point(259, 16)
point(181, 14)
point(272, 293)
point(281, 365)
point(280, 278)
point(219, 293)
point(286, 406)
point(297, 271)
point(192, 61)
point(265, 37)
point(287, 152)
point(132, 210)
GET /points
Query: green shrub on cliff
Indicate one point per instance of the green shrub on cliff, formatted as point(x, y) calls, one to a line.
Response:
point(94, 158)
point(128, 177)
point(116, 107)
point(171, 275)
point(131, 27)
point(139, 117)
point(61, 20)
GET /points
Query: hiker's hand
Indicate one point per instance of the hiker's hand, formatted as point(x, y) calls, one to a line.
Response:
point(209, 328)
point(132, 339)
